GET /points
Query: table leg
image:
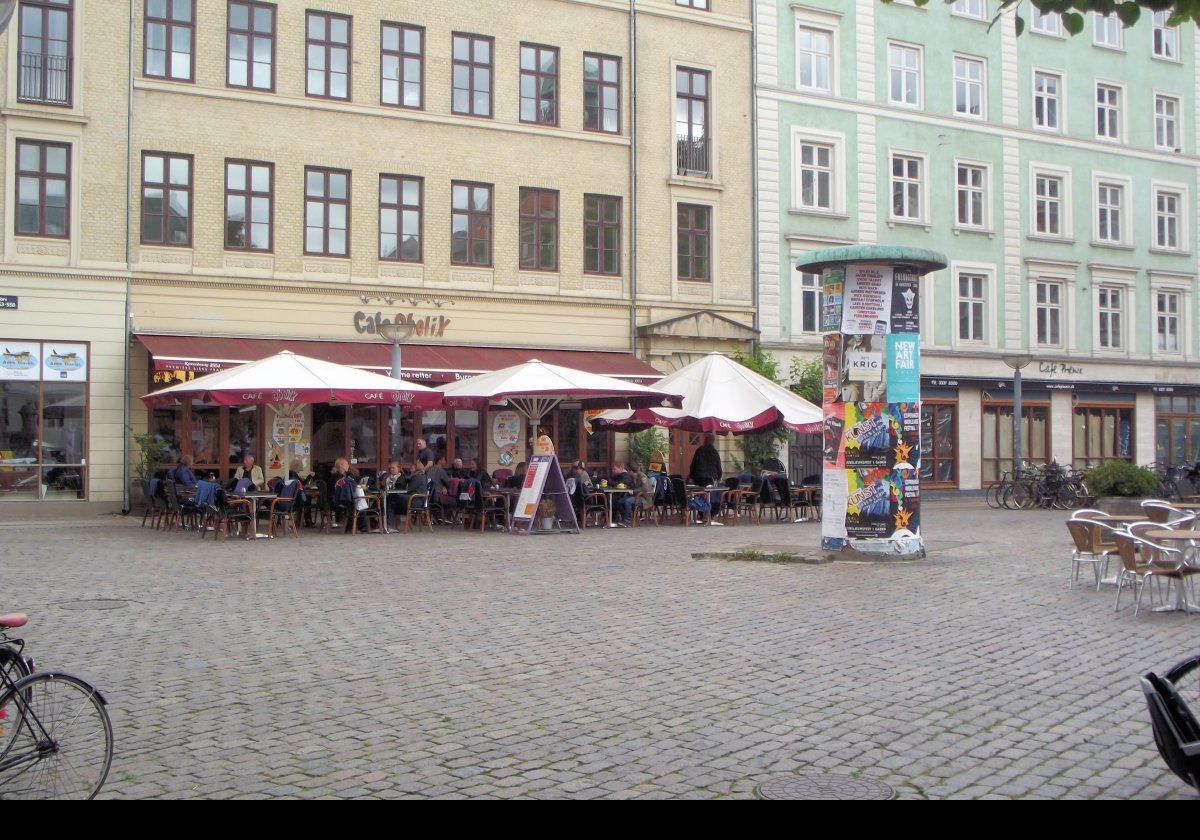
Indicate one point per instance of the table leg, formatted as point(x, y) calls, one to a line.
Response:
point(610, 519)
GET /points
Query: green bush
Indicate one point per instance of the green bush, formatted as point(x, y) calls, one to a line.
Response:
point(645, 444)
point(1120, 478)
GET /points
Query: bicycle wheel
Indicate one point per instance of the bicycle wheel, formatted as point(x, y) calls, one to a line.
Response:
point(993, 495)
point(1068, 497)
point(63, 747)
point(1023, 495)
point(16, 668)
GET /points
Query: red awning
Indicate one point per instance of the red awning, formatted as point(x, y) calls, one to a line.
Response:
point(424, 363)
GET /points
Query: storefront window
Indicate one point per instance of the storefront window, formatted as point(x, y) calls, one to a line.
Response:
point(1102, 433)
point(206, 435)
point(364, 435)
point(466, 435)
point(598, 447)
point(400, 429)
point(329, 434)
point(166, 424)
point(18, 440)
point(998, 438)
point(567, 442)
point(938, 431)
point(1177, 430)
point(243, 434)
point(433, 429)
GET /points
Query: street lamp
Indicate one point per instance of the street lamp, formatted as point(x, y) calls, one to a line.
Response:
point(1016, 362)
point(396, 333)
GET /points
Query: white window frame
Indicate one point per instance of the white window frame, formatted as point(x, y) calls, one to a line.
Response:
point(1053, 271)
point(987, 272)
point(966, 13)
point(1097, 29)
point(1159, 24)
point(1174, 119)
point(817, 171)
point(1060, 98)
point(984, 224)
point(837, 187)
point(1119, 108)
point(1177, 284)
point(1061, 307)
point(982, 84)
point(1161, 296)
point(1055, 29)
point(1046, 170)
point(1125, 220)
point(1125, 287)
point(829, 24)
point(801, 292)
point(922, 188)
point(919, 71)
point(1180, 192)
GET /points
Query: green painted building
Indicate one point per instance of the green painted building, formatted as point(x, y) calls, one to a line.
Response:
point(1058, 173)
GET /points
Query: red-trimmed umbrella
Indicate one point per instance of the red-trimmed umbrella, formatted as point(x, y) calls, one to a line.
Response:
point(722, 396)
point(288, 378)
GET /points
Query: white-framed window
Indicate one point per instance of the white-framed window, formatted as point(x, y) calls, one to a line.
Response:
point(1168, 220)
point(972, 307)
point(815, 162)
point(1044, 23)
point(970, 8)
point(1166, 123)
point(908, 188)
point(806, 304)
point(968, 87)
point(814, 58)
point(1110, 317)
point(1107, 30)
point(904, 75)
point(1047, 100)
point(971, 195)
point(1166, 322)
point(1166, 38)
point(1049, 194)
point(1110, 213)
point(1050, 313)
point(1108, 112)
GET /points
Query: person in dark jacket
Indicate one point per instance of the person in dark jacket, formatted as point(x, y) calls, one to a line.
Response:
point(706, 464)
point(183, 474)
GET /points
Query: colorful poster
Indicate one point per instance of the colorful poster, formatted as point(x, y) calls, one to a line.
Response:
point(20, 360)
point(866, 353)
point(506, 435)
point(908, 511)
point(867, 304)
point(906, 303)
point(833, 509)
point(64, 362)
point(870, 504)
point(832, 284)
point(904, 368)
point(831, 366)
point(833, 452)
point(531, 490)
point(882, 436)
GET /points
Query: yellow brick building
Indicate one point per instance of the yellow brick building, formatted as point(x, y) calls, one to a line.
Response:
point(241, 175)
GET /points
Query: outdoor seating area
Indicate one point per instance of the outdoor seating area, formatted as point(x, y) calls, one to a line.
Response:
point(1157, 551)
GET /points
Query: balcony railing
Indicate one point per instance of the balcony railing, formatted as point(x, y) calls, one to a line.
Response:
point(691, 156)
point(44, 78)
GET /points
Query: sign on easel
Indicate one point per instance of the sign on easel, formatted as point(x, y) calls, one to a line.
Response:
point(544, 505)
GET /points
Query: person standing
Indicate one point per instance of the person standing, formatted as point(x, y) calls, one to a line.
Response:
point(706, 464)
point(424, 453)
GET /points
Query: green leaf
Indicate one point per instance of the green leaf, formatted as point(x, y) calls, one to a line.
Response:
point(1129, 12)
point(1020, 24)
point(1072, 22)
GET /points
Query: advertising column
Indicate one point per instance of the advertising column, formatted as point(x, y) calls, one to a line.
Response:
point(871, 398)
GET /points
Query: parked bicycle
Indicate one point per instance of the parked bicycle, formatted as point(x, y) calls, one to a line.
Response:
point(55, 736)
point(1040, 485)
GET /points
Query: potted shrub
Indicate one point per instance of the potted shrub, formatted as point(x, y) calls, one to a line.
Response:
point(1118, 486)
point(548, 512)
point(151, 453)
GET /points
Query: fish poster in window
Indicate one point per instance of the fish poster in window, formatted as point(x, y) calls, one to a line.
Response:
point(867, 304)
point(871, 504)
point(833, 282)
point(834, 426)
point(906, 303)
point(831, 366)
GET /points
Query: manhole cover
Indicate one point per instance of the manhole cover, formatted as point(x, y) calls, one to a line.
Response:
point(95, 604)
point(823, 786)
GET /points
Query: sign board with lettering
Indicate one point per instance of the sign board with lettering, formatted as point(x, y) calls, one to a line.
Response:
point(544, 505)
point(10, 302)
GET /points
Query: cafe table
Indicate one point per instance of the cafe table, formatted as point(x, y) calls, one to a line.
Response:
point(609, 493)
point(255, 497)
point(1176, 535)
point(385, 513)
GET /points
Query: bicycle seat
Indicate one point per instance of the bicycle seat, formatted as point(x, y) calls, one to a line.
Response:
point(12, 620)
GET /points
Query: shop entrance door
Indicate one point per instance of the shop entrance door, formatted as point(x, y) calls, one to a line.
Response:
point(683, 447)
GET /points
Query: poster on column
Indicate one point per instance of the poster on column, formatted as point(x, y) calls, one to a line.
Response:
point(833, 506)
point(831, 367)
point(832, 284)
point(867, 301)
point(862, 375)
point(882, 504)
point(835, 423)
point(881, 436)
point(906, 303)
point(903, 368)
point(907, 489)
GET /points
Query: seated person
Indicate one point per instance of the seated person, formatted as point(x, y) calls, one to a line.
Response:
point(457, 470)
point(517, 479)
point(620, 475)
point(638, 481)
point(182, 474)
point(439, 477)
point(418, 482)
point(250, 470)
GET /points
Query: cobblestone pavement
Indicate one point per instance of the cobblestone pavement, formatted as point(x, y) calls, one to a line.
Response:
point(605, 665)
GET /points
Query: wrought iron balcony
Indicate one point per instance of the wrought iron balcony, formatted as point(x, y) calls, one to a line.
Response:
point(44, 78)
point(692, 156)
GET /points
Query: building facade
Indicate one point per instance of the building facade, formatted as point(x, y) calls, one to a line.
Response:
point(567, 180)
point(1057, 173)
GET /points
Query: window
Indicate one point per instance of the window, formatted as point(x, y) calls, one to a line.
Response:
point(166, 199)
point(1166, 38)
point(971, 195)
point(1168, 207)
point(472, 67)
point(400, 217)
point(1177, 429)
point(1102, 433)
point(1109, 311)
point(972, 305)
point(601, 234)
point(249, 202)
point(1048, 205)
point(326, 212)
point(968, 87)
point(1047, 101)
point(539, 84)
point(693, 233)
point(601, 93)
point(693, 4)
point(170, 30)
point(1049, 314)
point(906, 188)
point(806, 304)
point(1166, 322)
point(1109, 200)
point(1108, 112)
point(470, 224)
point(938, 443)
point(814, 59)
point(251, 46)
point(1166, 122)
point(44, 52)
point(904, 72)
point(997, 443)
point(402, 65)
point(1107, 30)
point(43, 188)
point(1046, 23)
point(816, 176)
point(539, 229)
point(328, 55)
point(691, 122)
point(970, 8)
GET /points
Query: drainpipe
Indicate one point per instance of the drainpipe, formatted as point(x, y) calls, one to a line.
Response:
point(633, 188)
point(754, 159)
point(126, 419)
